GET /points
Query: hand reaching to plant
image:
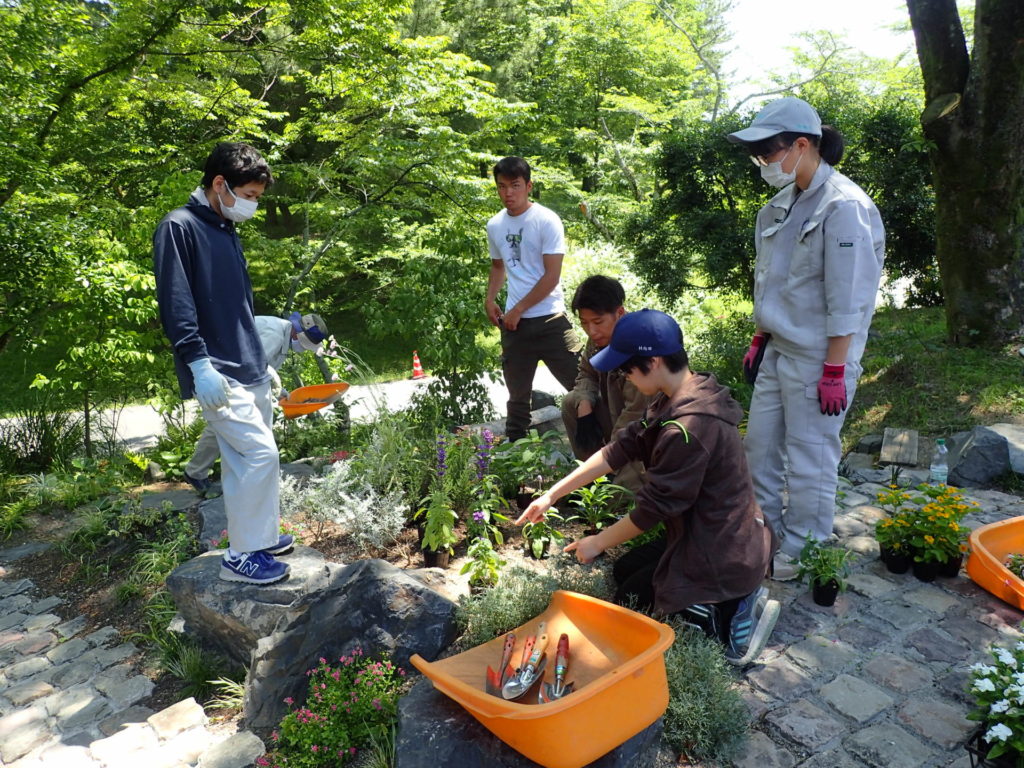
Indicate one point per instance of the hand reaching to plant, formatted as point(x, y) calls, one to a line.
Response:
point(536, 511)
point(586, 549)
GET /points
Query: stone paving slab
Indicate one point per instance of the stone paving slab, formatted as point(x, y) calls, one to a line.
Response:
point(880, 679)
point(70, 693)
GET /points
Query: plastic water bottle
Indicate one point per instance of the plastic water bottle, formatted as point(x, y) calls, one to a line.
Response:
point(939, 468)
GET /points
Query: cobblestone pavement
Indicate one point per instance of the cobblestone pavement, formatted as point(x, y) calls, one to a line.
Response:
point(69, 698)
point(880, 678)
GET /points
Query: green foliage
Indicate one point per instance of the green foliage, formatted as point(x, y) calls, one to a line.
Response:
point(597, 503)
point(519, 596)
point(484, 566)
point(707, 719)
point(699, 231)
point(348, 708)
point(823, 562)
point(196, 667)
point(542, 535)
point(39, 436)
point(533, 461)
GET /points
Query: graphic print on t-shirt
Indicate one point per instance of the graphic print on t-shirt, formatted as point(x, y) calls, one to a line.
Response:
point(514, 240)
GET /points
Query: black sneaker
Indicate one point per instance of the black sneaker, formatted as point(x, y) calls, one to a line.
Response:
point(751, 627)
point(253, 568)
point(202, 485)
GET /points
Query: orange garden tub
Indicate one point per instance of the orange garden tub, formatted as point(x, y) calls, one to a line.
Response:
point(990, 546)
point(312, 398)
point(616, 662)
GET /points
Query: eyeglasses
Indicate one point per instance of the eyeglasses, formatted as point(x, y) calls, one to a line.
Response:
point(762, 161)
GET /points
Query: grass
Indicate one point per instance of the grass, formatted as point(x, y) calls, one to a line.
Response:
point(914, 379)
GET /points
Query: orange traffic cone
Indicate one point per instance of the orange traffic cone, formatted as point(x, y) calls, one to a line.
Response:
point(417, 369)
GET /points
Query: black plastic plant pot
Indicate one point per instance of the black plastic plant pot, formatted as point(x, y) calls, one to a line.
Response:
point(432, 559)
point(825, 594)
point(927, 571)
point(978, 749)
point(895, 561)
point(951, 568)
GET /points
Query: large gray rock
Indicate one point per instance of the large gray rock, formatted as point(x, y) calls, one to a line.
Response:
point(369, 604)
point(1014, 434)
point(979, 459)
point(232, 617)
point(435, 731)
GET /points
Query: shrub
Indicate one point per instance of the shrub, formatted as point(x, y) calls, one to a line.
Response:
point(38, 437)
point(706, 720)
point(348, 708)
point(521, 595)
point(371, 518)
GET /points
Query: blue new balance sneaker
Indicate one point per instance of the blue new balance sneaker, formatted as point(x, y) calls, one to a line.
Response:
point(285, 542)
point(253, 568)
point(751, 627)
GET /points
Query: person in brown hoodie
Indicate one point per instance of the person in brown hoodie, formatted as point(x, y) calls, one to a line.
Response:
point(709, 565)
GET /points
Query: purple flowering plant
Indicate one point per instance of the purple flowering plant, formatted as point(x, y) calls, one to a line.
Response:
point(349, 707)
point(436, 510)
point(488, 499)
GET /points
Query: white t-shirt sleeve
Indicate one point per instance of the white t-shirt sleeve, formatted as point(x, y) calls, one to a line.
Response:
point(552, 234)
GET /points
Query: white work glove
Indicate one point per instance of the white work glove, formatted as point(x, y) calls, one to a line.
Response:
point(212, 389)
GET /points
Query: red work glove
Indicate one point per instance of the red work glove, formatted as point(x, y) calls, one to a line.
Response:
point(832, 389)
point(752, 360)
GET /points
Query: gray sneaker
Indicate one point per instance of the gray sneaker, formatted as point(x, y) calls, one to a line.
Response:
point(751, 627)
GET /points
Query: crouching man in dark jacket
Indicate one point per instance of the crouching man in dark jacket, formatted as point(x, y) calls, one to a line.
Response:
point(709, 565)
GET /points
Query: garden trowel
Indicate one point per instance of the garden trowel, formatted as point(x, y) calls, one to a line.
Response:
point(558, 689)
point(496, 680)
point(531, 670)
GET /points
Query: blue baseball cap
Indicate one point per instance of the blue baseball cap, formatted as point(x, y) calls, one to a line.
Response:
point(789, 115)
point(646, 333)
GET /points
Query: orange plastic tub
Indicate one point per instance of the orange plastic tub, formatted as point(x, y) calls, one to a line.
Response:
point(312, 398)
point(990, 544)
point(616, 661)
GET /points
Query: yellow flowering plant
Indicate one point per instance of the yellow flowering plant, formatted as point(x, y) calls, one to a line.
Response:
point(894, 532)
point(937, 535)
point(926, 521)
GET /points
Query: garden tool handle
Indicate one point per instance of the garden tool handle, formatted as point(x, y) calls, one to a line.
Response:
point(538, 651)
point(527, 650)
point(562, 655)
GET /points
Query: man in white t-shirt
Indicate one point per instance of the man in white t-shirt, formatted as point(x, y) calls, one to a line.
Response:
point(527, 244)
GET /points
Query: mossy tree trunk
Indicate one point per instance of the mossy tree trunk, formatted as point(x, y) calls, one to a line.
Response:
point(974, 121)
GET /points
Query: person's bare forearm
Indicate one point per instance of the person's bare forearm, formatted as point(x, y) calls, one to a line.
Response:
point(838, 346)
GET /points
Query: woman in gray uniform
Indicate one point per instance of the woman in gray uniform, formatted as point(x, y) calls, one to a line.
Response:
point(820, 246)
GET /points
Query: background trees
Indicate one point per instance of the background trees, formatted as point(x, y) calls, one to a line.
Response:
point(974, 122)
point(381, 119)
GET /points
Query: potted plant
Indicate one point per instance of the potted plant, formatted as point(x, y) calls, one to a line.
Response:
point(893, 535)
point(998, 741)
point(595, 504)
point(827, 566)
point(438, 530)
point(938, 540)
point(539, 536)
point(439, 518)
point(533, 461)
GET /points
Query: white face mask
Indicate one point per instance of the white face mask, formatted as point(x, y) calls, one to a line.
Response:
point(774, 175)
point(242, 210)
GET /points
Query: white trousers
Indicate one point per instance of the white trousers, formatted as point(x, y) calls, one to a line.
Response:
point(207, 450)
point(250, 470)
point(205, 454)
point(790, 442)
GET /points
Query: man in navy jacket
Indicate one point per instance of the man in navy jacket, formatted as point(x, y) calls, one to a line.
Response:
point(206, 308)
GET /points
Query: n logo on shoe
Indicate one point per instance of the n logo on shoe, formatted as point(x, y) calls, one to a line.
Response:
point(248, 568)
